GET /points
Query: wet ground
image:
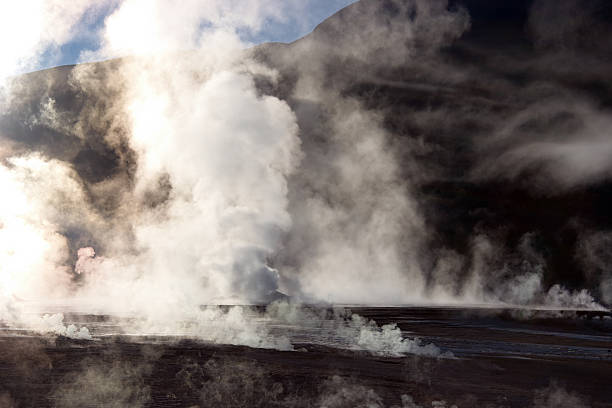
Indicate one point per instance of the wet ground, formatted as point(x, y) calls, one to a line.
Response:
point(501, 358)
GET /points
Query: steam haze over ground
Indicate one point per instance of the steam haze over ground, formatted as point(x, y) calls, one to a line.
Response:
point(404, 153)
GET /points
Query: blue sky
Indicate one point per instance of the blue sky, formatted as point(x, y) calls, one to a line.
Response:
point(317, 11)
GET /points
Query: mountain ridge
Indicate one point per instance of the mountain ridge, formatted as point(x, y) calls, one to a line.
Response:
point(461, 105)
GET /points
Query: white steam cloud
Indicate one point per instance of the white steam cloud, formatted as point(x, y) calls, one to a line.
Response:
point(195, 121)
point(221, 203)
point(45, 200)
point(225, 152)
point(30, 29)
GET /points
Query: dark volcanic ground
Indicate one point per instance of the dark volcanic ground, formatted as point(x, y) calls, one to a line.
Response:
point(501, 360)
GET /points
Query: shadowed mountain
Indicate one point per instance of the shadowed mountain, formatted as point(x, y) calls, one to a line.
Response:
point(493, 125)
point(497, 113)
